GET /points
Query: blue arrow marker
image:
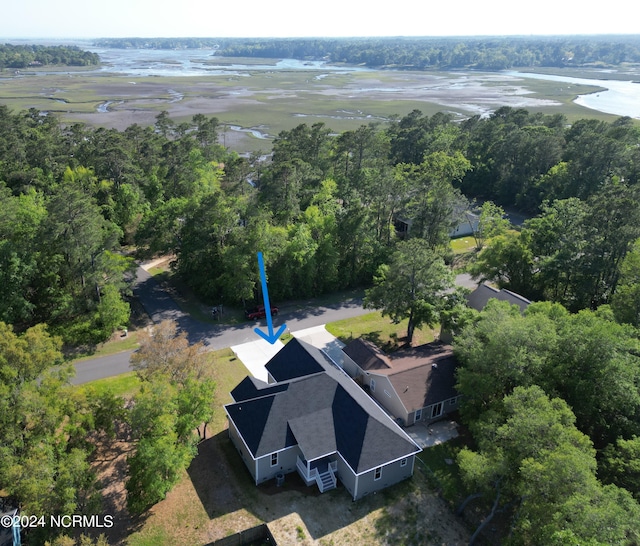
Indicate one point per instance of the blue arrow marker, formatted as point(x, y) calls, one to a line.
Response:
point(271, 337)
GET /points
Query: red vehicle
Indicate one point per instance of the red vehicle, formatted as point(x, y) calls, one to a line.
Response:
point(260, 312)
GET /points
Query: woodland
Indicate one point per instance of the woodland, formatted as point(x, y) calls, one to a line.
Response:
point(552, 397)
point(483, 53)
point(24, 56)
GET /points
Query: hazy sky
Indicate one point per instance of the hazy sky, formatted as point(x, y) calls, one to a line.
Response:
point(224, 18)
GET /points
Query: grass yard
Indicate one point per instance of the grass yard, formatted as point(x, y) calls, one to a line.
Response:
point(380, 330)
point(117, 344)
point(126, 384)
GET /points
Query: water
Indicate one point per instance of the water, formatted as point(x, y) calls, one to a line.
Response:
point(621, 98)
point(195, 62)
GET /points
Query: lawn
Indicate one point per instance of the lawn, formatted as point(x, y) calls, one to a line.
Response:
point(126, 384)
point(380, 330)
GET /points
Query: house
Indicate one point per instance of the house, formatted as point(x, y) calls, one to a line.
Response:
point(466, 223)
point(315, 420)
point(483, 293)
point(10, 528)
point(414, 385)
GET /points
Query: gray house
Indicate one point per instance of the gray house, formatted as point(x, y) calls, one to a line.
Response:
point(414, 385)
point(479, 298)
point(315, 420)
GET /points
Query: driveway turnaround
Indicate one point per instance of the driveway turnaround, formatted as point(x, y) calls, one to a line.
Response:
point(255, 354)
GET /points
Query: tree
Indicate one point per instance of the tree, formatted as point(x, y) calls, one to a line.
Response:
point(164, 351)
point(626, 299)
point(491, 223)
point(500, 351)
point(163, 421)
point(534, 464)
point(44, 460)
point(621, 465)
point(434, 205)
point(509, 262)
point(411, 286)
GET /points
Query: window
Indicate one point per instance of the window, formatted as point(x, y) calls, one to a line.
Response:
point(436, 410)
point(274, 459)
point(418, 415)
point(453, 401)
point(387, 393)
point(377, 473)
point(372, 385)
point(403, 462)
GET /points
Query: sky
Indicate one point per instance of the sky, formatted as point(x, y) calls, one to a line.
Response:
point(297, 18)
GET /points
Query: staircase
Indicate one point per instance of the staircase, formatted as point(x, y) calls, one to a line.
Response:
point(325, 479)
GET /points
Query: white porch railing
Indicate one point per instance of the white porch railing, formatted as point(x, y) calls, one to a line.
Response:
point(308, 475)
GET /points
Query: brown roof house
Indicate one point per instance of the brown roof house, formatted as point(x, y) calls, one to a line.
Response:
point(413, 385)
point(312, 418)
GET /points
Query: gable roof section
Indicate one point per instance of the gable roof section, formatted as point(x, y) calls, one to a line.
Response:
point(424, 375)
point(250, 387)
point(367, 355)
point(296, 359)
point(480, 296)
point(321, 413)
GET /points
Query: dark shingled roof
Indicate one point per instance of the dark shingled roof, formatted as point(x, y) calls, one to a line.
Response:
point(322, 413)
point(417, 381)
point(250, 387)
point(296, 359)
point(367, 355)
point(480, 296)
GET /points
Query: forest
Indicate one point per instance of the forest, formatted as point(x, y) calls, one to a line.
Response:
point(24, 56)
point(482, 53)
point(79, 203)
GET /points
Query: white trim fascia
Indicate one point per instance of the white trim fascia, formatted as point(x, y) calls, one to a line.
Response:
point(322, 456)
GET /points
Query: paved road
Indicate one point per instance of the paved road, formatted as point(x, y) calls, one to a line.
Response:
point(160, 306)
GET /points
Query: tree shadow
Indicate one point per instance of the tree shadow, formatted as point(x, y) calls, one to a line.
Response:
point(224, 485)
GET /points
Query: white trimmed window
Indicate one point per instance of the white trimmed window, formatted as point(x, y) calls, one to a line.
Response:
point(403, 462)
point(274, 459)
point(377, 474)
point(418, 415)
point(372, 385)
point(436, 410)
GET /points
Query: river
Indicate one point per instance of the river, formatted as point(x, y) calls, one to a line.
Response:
point(621, 98)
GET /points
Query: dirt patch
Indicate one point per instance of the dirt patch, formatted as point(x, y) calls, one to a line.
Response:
point(217, 498)
point(110, 465)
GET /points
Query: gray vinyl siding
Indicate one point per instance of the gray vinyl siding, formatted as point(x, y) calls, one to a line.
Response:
point(447, 407)
point(346, 476)
point(386, 395)
point(286, 463)
point(242, 449)
point(391, 474)
point(349, 366)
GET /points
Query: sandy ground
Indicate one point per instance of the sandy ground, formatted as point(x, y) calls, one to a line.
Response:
point(216, 498)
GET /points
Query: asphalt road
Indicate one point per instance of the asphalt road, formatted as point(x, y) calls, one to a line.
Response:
point(160, 306)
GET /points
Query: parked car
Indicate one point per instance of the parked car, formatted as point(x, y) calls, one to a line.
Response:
point(260, 312)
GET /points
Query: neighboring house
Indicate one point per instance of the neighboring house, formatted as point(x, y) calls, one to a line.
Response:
point(314, 419)
point(414, 385)
point(479, 298)
point(468, 226)
point(9, 533)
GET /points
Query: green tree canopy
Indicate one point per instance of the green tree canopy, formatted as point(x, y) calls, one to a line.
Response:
point(411, 286)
